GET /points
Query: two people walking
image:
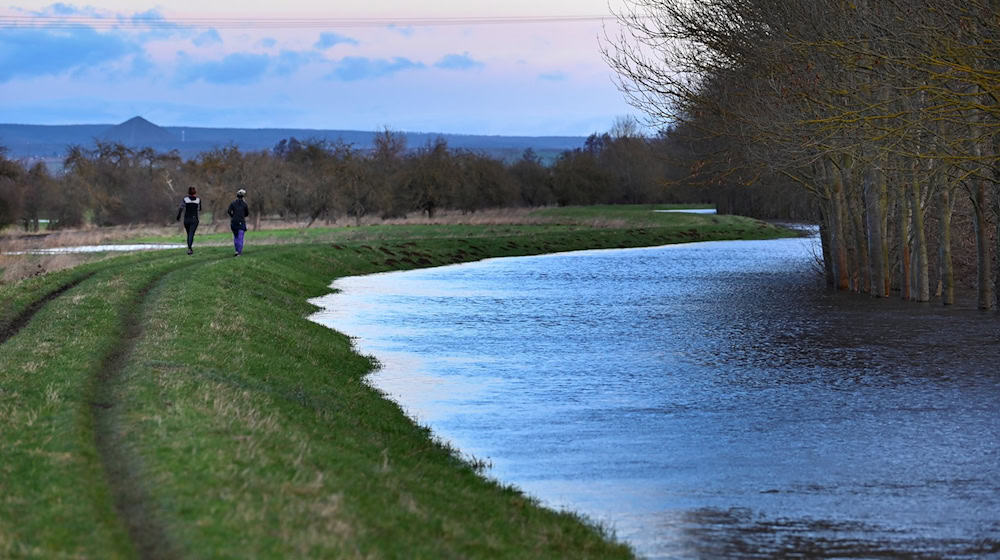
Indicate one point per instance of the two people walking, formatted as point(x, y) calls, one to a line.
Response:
point(238, 212)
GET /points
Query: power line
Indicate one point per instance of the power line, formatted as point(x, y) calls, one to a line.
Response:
point(145, 22)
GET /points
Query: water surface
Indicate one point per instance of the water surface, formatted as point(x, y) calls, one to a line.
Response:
point(690, 210)
point(703, 400)
point(99, 249)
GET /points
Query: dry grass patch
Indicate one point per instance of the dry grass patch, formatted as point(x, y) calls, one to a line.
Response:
point(14, 268)
point(12, 241)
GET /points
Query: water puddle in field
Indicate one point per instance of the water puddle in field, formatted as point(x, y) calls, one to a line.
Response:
point(98, 249)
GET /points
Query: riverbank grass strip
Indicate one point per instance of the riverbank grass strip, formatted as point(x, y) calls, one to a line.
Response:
point(54, 497)
point(251, 416)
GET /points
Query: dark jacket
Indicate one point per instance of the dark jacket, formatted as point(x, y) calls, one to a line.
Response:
point(190, 207)
point(238, 212)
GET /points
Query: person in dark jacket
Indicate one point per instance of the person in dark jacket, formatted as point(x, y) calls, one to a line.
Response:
point(190, 207)
point(238, 212)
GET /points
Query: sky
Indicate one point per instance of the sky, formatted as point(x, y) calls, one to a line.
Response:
point(450, 66)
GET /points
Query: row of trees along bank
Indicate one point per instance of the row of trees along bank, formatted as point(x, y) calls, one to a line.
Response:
point(112, 184)
point(885, 112)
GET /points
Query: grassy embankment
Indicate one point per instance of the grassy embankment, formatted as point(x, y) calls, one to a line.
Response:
point(169, 406)
point(478, 224)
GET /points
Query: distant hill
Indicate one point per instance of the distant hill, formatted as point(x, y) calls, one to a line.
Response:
point(49, 142)
point(138, 132)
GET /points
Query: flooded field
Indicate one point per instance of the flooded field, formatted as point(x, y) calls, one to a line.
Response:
point(703, 400)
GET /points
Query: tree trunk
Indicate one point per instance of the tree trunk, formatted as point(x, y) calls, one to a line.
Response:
point(883, 226)
point(873, 233)
point(826, 244)
point(839, 244)
point(315, 214)
point(853, 225)
point(996, 240)
point(863, 275)
point(904, 242)
point(996, 221)
point(947, 274)
point(984, 263)
point(922, 279)
point(882, 183)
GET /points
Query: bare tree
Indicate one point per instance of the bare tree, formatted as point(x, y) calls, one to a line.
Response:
point(878, 109)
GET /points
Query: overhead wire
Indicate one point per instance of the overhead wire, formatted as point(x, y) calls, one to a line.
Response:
point(220, 22)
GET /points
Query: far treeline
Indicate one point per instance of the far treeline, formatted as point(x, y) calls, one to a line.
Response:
point(886, 112)
point(311, 180)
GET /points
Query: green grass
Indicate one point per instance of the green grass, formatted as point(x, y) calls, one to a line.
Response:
point(54, 501)
point(352, 233)
point(583, 220)
point(232, 427)
point(635, 213)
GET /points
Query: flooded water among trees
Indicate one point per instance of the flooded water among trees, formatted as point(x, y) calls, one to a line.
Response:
point(703, 400)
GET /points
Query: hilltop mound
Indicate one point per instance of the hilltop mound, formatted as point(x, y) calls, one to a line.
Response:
point(138, 132)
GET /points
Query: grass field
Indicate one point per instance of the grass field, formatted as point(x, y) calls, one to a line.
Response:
point(164, 406)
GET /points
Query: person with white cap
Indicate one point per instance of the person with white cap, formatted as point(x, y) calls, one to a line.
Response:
point(238, 212)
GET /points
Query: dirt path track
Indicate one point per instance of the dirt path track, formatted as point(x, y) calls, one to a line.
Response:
point(11, 329)
point(122, 469)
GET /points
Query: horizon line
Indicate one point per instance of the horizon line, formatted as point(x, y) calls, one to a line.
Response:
point(307, 129)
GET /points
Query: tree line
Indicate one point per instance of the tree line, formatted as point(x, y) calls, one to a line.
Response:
point(885, 113)
point(310, 180)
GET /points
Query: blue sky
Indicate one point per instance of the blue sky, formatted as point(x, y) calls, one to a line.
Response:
point(417, 66)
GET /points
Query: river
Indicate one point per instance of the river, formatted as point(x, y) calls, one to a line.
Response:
point(706, 400)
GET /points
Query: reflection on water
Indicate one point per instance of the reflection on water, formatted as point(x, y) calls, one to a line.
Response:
point(704, 400)
point(691, 210)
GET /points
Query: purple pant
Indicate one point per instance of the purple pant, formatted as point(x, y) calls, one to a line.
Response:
point(238, 240)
